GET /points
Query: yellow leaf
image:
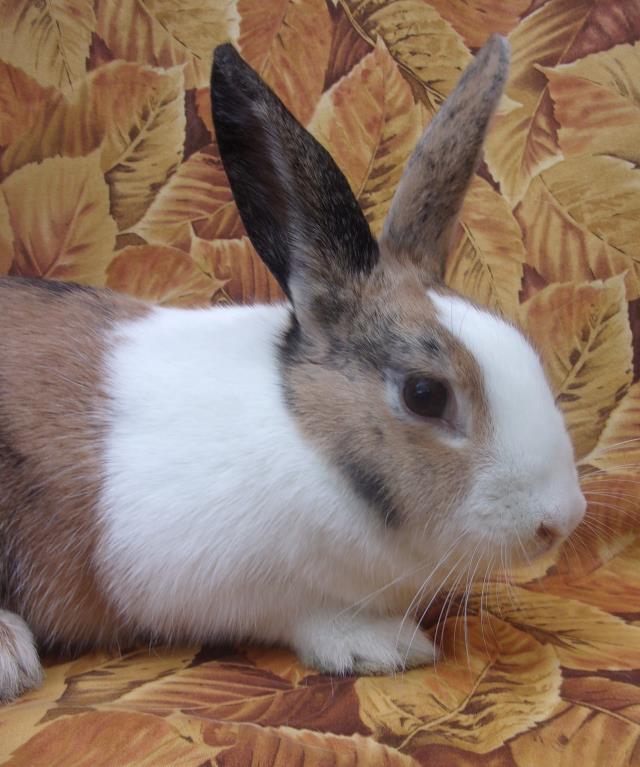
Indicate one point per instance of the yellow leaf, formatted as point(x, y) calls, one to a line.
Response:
point(583, 637)
point(107, 678)
point(104, 739)
point(485, 263)
point(369, 123)
point(586, 207)
point(288, 43)
point(597, 103)
point(165, 33)
point(134, 114)
point(476, 20)
point(141, 152)
point(428, 49)
point(196, 198)
point(6, 238)
point(48, 40)
point(248, 746)
point(584, 336)
point(618, 449)
point(59, 213)
point(612, 586)
point(576, 735)
point(161, 275)
point(507, 683)
point(524, 141)
point(237, 269)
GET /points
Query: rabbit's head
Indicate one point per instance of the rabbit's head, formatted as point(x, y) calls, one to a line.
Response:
point(436, 412)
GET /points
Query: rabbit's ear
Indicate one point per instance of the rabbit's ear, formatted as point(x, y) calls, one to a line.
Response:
point(431, 191)
point(296, 205)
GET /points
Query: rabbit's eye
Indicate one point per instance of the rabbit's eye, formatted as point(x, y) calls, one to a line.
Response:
point(424, 396)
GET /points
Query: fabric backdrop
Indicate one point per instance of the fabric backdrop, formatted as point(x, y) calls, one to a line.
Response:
point(109, 175)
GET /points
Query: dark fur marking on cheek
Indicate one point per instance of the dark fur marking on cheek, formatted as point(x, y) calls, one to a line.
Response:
point(372, 488)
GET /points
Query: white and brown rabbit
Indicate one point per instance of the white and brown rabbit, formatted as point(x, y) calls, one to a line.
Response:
point(256, 472)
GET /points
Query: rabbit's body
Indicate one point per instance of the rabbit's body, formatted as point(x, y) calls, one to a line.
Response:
point(306, 474)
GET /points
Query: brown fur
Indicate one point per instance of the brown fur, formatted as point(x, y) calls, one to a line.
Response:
point(52, 406)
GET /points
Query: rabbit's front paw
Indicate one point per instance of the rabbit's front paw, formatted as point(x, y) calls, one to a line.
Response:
point(362, 645)
point(20, 668)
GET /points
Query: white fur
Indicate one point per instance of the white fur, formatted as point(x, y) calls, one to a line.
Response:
point(219, 519)
point(530, 477)
point(20, 668)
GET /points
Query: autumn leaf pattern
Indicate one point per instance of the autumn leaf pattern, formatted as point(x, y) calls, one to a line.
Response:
point(110, 176)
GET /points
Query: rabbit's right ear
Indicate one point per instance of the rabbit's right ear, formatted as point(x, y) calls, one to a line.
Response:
point(425, 206)
point(295, 204)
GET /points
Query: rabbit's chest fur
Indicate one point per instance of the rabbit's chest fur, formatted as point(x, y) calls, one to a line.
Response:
point(216, 515)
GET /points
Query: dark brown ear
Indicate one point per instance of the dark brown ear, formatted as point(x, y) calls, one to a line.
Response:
point(430, 194)
point(296, 205)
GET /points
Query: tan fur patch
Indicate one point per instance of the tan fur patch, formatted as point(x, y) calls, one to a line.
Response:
point(52, 421)
point(343, 403)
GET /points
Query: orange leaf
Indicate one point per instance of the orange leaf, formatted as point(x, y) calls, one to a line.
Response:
point(288, 44)
point(237, 266)
point(196, 198)
point(59, 213)
point(348, 48)
point(605, 695)
point(21, 100)
point(162, 275)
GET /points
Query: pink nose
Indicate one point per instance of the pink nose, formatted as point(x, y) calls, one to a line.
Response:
point(551, 531)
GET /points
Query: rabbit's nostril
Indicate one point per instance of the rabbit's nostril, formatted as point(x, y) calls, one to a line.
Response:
point(548, 534)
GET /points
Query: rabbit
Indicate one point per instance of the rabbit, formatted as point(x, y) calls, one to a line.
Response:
point(300, 474)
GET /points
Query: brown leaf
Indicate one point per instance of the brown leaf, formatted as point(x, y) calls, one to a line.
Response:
point(583, 333)
point(486, 261)
point(612, 583)
point(577, 736)
point(106, 679)
point(249, 746)
point(348, 48)
point(506, 683)
point(166, 33)
point(196, 198)
point(597, 103)
point(288, 44)
point(618, 449)
point(59, 214)
point(604, 695)
point(134, 114)
point(583, 637)
point(476, 20)
point(369, 123)
point(48, 40)
point(428, 49)
point(139, 161)
point(524, 141)
point(104, 739)
point(162, 275)
point(6, 238)
point(237, 692)
point(237, 268)
point(587, 204)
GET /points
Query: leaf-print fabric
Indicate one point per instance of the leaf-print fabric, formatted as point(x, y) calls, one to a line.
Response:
point(110, 176)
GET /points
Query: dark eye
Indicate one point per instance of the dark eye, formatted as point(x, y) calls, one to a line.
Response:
point(424, 396)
